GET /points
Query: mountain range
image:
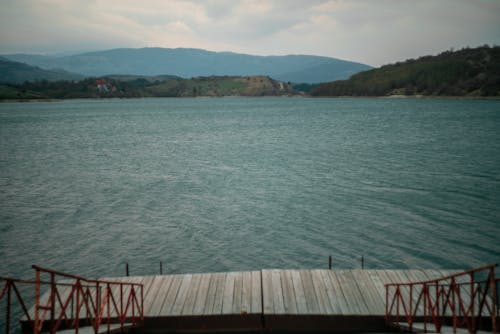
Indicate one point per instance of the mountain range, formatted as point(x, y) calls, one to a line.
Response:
point(188, 63)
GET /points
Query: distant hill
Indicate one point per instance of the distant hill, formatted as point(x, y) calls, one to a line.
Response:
point(136, 86)
point(467, 72)
point(16, 72)
point(188, 63)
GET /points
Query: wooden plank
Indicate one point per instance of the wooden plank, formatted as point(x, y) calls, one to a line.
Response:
point(168, 297)
point(321, 292)
point(219, 294)
point(378, 284)
point(352, 304)
point(147, 283)
point(238, 291)
point(289, 302)
point(298, 289)
point(431, 274)
point(277, 291)
point(246, 292)
point(152, 295)
point(350, 291)
point(392, 276)
point(331, 292)
point(359, 297)
point(182, 294)
point(212, 290)
point(337, 299)
point(228, 295)
point(192, 293)
point(364, 293)
point(267, 292)
point(160, 290)
point(257, 292)
point(310, 295)
point(202, 294)
point(374, 301)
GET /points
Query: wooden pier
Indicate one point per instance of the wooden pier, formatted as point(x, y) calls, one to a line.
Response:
point(276, 300)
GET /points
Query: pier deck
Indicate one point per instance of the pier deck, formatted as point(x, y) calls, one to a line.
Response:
point(343, 300)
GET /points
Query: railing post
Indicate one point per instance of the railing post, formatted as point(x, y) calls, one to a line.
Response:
point(132, 290)
point(77, 314)
point(109, 296)
point(387, 303)
point(410, 320)
point(126, 269)
point(362, 262)
point(36, 329)
point(473, 297)
point(7, 323)
point(493, 299)
point(52, 300)
point(142, 302)
point(98, 307)
point(330, 262)
point(121, 303)
point(398, 296)
point(453, 302)
point(425, 292)
point(161, 268)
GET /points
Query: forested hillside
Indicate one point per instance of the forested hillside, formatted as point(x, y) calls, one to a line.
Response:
point(16, 73)
point(466, 72)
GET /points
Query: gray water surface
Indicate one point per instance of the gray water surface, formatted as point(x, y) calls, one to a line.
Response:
point(248, 183)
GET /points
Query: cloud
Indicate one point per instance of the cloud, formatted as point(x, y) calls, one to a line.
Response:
point(374, 32)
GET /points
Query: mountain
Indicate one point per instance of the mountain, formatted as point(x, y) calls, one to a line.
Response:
point(16, 72)
point(466, 72)
point(188, 63)
point(125, 86)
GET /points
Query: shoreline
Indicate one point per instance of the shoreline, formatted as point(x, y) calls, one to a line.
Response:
point(396, 97)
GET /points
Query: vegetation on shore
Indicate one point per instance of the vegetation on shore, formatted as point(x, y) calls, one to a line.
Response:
point(137, 86)
point(467, 72)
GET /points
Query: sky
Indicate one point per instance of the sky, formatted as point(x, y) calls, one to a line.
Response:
point(373, 32)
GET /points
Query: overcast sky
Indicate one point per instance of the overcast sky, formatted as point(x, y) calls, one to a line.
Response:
point(374, 32)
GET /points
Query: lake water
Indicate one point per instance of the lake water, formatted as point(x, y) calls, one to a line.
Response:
point(248, 183)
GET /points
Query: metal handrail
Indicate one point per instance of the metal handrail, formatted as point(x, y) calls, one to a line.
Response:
point(87, 295)
point(6, 290)
point(437, 298)
point(462, 273)
point(98, 301)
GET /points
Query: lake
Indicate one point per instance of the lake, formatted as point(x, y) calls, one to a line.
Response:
point(219, 184)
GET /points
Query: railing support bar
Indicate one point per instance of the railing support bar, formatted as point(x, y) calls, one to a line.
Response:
point(52, 300)
point(7, 320)
point(494, 301)
point(37, 328)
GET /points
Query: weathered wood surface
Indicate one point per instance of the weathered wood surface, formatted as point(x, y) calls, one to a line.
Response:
point(347, 292)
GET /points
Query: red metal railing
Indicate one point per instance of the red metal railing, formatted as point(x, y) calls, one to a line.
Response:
point(86, 301)
point(461, 300)
point(8, 288)
point(73, 301)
